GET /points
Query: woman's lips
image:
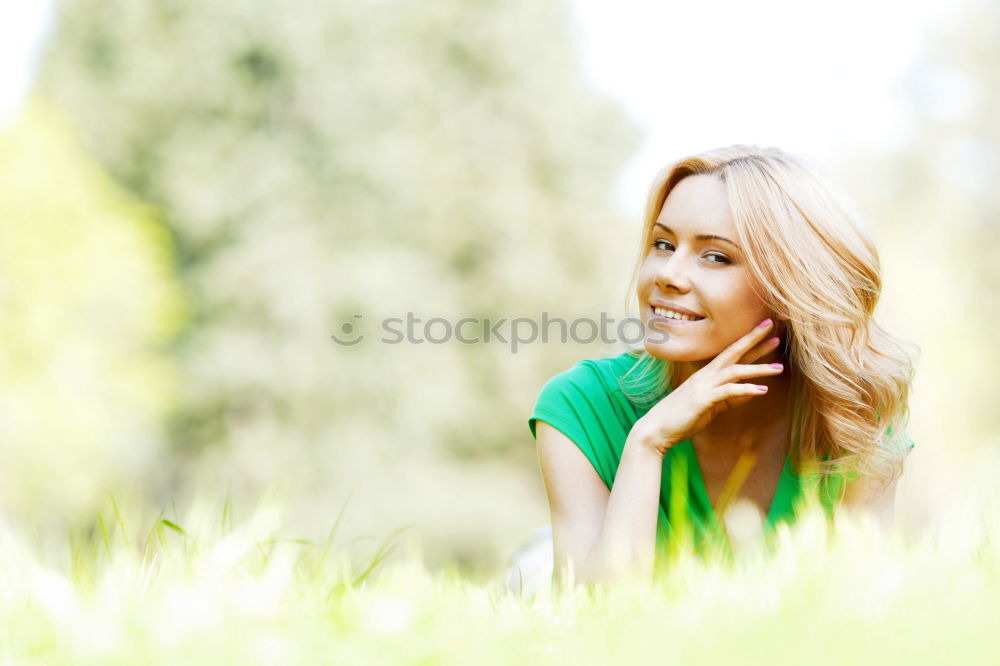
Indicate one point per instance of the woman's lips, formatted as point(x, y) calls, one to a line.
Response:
point(655, 318)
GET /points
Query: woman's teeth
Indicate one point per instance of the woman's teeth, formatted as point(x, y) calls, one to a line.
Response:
point(670, 314)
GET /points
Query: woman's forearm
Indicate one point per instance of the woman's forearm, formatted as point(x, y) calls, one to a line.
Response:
point(626, 542)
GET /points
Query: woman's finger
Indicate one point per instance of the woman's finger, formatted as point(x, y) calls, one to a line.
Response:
point(761, 350)
point(735, 373)
point(736, 350)
point(730, 391)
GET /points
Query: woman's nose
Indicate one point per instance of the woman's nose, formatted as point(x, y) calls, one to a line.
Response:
point(673, 273)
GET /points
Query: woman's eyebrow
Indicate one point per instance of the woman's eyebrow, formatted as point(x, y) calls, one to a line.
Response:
point(701, 237)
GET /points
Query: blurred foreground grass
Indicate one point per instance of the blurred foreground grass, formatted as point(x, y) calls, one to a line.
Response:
point(204, 588)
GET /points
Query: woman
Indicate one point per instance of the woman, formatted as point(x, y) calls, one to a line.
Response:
point(762, 373)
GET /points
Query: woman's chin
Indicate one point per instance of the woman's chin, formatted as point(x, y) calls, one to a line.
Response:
point(675, 354)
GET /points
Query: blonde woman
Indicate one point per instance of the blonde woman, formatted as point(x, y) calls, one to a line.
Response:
point(761, 368)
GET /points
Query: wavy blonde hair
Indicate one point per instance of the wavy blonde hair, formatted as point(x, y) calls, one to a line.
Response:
point(813, 254)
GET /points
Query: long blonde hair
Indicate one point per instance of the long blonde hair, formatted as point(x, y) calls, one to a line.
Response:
point(812, 253)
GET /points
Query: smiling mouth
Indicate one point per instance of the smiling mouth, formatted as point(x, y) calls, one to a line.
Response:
point(664, 313)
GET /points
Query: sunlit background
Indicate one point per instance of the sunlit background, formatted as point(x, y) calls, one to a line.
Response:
point(195, 195)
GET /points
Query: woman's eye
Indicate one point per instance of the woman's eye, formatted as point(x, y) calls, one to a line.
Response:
point(667, 246)
point(719, 258)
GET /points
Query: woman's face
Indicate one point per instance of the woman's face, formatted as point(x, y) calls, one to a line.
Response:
point(693, 264)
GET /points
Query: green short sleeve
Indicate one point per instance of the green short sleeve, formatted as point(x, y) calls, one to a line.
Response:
point(557, 405)
point(584, 404)
point(891, 443)
point(904, 442)
point(566, 404)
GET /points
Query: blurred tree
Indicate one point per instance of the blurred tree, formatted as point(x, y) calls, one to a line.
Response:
point(317, 160)
point(89, 304)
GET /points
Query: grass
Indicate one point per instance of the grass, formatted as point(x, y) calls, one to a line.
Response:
point(209, 589)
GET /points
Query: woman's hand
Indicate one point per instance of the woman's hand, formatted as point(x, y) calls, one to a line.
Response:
point(687, 409)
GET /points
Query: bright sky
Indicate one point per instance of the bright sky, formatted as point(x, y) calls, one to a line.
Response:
point(22, 26)
point(807, 76)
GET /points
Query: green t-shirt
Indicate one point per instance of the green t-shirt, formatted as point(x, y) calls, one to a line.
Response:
point(586, 403)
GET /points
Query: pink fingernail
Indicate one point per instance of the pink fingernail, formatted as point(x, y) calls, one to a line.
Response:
point(777, 366)
point(761, 387)
point(773, 341)
point(764, 324)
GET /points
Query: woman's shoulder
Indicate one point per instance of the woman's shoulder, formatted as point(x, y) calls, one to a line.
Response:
point(589, 390)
